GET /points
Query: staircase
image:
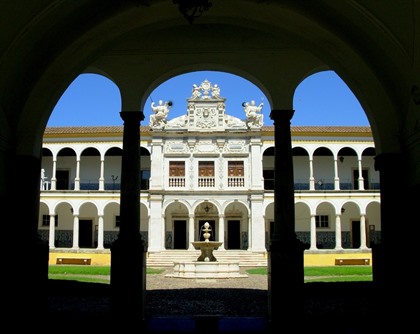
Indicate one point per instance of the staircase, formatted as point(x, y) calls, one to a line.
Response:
point(167, 258)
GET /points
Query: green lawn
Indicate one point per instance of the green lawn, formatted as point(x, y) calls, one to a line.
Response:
point(101, 274)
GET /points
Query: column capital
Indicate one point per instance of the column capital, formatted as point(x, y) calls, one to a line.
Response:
point(132, 116)
point(282, 115)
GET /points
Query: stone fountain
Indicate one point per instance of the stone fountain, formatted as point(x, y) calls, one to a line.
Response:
point(206, 265)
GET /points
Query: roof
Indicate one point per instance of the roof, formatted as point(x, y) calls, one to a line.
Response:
point(95, 131)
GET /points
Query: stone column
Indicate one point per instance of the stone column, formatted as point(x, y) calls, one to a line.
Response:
point(75, 231)
point(313, 233)
point(21, 241)
point(77, 178)
point(190, 231)
point(221, 234)
point(338, 242)
point(311, 174)
point(54, 172)
point(336, 178)
point(363, 231)
point(100, 232)
point(360, 179)
point(101, 176)
point(285, 256)
point(52, 231)
point(399, 243)
point(128, 252)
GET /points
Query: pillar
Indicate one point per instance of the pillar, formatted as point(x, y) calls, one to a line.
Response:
point(338, 240)
point(336, 178)
point(77, 178)
point(313, 232)
point(51, 231)
point(21, 242)
point(256, 224)
point(75, 231)
point(221, 234)
point(285, 256)
point(191, 237)
point(101, 176)
point(128, 252)
point(363, 231)
point(398, 247)
point(100, 232)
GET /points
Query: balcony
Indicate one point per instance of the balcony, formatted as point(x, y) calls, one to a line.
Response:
point(206, 182)
point(237, 181)
point(177, 182)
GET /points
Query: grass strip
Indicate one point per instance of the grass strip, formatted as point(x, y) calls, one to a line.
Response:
point(325, 274)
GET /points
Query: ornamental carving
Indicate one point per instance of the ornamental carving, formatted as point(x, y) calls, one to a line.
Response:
point(235, 146)
point(176, 148)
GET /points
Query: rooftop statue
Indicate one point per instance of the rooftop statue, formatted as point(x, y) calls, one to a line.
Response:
point(254, 118)
point(161, 111)
point(206, 91)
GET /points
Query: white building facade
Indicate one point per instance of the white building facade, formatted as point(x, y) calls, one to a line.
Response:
point(209, 166)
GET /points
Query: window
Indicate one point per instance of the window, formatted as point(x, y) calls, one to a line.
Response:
point(144, 179)
point(176, 173)
point(268, 179)
point(176, 168)
point(235, 173)
point(117, 221)
point(206, 168)
point(206, 174)
point(321, 221)
point(235, 168)
point(46, 220)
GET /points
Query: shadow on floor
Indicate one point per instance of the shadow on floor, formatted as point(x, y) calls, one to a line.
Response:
point(330, 308)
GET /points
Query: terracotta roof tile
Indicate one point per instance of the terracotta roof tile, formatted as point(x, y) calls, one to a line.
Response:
point(93, 130)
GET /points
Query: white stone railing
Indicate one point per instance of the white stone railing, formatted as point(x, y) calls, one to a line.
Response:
point(236, 181)
point(206, 182)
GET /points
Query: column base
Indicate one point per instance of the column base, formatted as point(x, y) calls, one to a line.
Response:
point(128, 279)
point(285, 281)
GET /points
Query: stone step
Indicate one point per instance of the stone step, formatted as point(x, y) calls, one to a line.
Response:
point(168, 257)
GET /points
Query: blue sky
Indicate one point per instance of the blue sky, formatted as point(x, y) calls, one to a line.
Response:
point(322, 99)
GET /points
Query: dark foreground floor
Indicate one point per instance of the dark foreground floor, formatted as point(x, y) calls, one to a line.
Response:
point(329, 308)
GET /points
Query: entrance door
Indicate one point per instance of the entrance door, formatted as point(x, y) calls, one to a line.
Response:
point(233, 234)
point(355, 233)
point(213, 229)
point(180, 234)
point(62, 177)
point(85, 233)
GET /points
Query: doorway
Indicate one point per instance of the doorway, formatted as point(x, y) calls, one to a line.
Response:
point(233, 234)
point(62, 177)
point(180, 234)
point(85, 233)
point(355, 233)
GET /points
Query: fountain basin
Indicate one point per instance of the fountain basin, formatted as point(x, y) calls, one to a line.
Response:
point(206, 269)
point(207, 247)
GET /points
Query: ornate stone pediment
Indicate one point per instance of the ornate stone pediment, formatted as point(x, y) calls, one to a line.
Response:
point(235, 147)
point(176, 148)
point(206, 148)
point(205, 112)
